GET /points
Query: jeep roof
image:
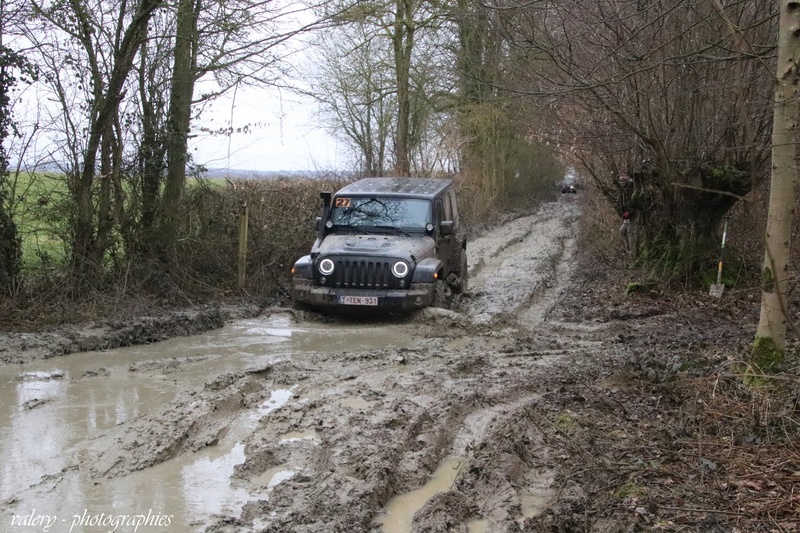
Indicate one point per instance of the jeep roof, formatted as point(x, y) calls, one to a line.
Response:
point(409, 187)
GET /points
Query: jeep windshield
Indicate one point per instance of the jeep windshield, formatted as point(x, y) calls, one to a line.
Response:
point(380, 214)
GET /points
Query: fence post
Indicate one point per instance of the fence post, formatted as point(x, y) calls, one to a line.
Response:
point(242, 266)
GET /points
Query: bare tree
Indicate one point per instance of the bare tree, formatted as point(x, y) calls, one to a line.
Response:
point(405, 38)
point(14, 67)
point(351, 81)
point(108, 37)
point(19, 131)
point(153, 88)
point(114, 123)
point(233, 42)
point(184, 75)
point(484, 111)
point(402, 33)
point(770, 342)
point(671, 93)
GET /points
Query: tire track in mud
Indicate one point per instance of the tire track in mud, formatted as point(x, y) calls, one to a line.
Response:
point(521, 267)
point(191, 422)
point(415, 418)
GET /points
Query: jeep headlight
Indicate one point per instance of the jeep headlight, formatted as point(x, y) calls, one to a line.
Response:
point(400, 269)
point(326, 267)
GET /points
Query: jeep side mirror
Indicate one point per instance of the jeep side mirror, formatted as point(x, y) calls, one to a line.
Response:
point(446, 227)
point(317, 222)
point(326, 211)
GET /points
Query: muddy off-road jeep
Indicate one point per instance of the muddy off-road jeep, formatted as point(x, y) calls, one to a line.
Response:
point(392, 243)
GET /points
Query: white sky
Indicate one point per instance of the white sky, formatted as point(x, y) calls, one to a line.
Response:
point(284, 134)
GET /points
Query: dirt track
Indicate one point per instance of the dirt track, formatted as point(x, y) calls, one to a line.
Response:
point(477, 410)
point(379, 423)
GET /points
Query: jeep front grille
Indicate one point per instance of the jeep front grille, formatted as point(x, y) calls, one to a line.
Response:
point(363, 275)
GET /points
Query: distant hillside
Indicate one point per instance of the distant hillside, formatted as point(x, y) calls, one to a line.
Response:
point(236, 174)
point(216, 173)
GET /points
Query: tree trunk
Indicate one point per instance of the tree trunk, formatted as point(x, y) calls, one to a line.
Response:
point(770, 342)
point(85, 249)
point(180, 105)
point(403, 42)
point(151, 154)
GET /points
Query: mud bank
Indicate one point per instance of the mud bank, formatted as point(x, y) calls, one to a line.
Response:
point(18, 348)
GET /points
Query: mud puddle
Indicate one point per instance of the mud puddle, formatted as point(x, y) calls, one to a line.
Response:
point(54, 411)
point(398, 516)
point(400, 510)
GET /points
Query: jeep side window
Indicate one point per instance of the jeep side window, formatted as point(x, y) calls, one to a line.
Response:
point(440, 211)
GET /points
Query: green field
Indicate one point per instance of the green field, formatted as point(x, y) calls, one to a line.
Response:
point(37, 204)
point(40, 206)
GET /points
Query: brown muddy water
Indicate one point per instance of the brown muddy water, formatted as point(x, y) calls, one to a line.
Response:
point(400, 510)
point(52, 412)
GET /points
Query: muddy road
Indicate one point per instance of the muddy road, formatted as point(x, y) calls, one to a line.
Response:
point(293, 422)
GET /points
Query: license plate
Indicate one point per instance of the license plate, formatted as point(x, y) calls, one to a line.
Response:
point(358, 300)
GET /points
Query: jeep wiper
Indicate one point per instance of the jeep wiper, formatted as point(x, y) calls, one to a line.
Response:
point(394, 228)
point(356, 228)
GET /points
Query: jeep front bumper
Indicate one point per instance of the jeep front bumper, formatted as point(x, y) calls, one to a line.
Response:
point(419, 295)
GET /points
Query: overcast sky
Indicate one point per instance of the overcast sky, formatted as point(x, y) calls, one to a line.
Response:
point(282, 131)
point(284, 134)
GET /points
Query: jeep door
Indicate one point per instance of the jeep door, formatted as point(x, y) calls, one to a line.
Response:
point(447, 246)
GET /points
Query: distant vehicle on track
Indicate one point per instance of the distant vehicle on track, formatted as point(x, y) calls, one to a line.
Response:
point(569, 189)
point(384, 243)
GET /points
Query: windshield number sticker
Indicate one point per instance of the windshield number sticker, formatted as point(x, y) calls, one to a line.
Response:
point(342, 202)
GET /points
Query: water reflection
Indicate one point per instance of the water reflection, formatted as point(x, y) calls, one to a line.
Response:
point(207, 479)
point(39, 387)
point(277, 398)
point(38, 441)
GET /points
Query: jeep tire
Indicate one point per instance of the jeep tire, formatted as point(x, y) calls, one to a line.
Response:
point(458, 280)
point(439, 289)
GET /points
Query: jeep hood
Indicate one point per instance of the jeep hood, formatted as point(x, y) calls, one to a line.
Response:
point(400, 246)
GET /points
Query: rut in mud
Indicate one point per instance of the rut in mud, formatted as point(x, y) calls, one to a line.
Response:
point(442, 432)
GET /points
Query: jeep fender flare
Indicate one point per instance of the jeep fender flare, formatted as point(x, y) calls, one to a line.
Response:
point(426, 271)
point(304, 267)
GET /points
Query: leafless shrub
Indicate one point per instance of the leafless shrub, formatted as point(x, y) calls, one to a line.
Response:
point(280, 229)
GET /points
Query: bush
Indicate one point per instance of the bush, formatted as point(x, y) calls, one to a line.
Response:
point(280, 230)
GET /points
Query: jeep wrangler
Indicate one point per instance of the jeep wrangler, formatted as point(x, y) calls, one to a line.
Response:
point(386, 243)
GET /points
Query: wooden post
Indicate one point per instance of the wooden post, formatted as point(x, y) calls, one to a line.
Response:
point(242, 266)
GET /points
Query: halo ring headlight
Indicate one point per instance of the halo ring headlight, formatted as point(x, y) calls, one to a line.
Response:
point(400, 269)
point(326, 267)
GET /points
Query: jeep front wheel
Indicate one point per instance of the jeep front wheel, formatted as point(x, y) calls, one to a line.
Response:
point(439, 289)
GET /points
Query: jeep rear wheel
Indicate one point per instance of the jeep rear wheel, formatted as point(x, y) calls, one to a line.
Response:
point(459, 282)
